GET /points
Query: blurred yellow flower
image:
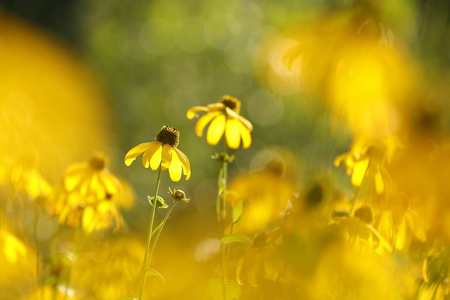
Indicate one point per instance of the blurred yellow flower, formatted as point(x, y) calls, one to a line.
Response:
point(87, 196)
point(265, 195)
point(91, 180)
point(163, 152)
point(224, 117)
point(368, 159)
point(93, 217)
point(23, 176)
point(11, 247)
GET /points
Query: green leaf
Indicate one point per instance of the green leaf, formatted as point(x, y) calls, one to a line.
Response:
point(235, 238)
point(215, 287)
point(237, 211)
point(153, 272)
point(160, 203)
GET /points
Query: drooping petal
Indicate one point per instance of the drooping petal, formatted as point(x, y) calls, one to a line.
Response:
point(110, 182)
point(185, 163)
point(148, 154)
point(232, 133)
point(216, 129)
point(190, 114)
point(135, 152)
point(175, 168)
point(88, 222)
point(74, 174)
point(245, 134)
point(359, 172)
point(155, 161)
point(379, 184)
point(203, 121)
point(246, 123)
point(166, 157)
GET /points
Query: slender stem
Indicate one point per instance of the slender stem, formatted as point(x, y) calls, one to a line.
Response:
point(149, 237)
point(36, 241)
point(158, 233)
point(76, 241)
point(223, 175)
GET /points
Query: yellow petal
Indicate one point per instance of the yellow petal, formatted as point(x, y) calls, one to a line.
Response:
point(359, 172)
point(156, 158)
point(88, 220)
point(135, 152)
point(233, 134)
point(74, 174)
point(166, 156)
point(185, 163)
point(216, 129)
point(246, 123)
point(379, 184)
point(175, 168)
point(148, 154)
point(245, 134)
point(203, 121)
point(190, 114)
point(110, 183)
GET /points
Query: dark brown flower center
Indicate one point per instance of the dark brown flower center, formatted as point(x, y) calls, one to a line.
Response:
point(98, 162)
point(365, 214)
point(168, 135)
point(231, 103)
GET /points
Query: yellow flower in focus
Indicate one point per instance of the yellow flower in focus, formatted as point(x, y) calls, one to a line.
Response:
point(163, 152)
point(367, 159)
point(11, 247)
point(91, 181)
point(224, 117)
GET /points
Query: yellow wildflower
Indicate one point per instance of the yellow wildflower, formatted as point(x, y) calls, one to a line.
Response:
point(99, 216)
point(91, 180)
point(163, 152)
point(224, 117)
point(11, 246)
point(368, 159)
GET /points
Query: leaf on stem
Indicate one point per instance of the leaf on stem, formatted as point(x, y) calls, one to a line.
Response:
point(160, 203)
point(235, 238)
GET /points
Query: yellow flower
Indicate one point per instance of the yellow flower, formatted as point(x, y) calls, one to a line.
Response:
point(11, 246)
point(367, 159)
point(224, 117)
point(91, 180)
point(99, 216)
point(163, 152)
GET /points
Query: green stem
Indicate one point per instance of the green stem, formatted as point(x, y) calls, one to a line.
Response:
point(76, 241)
point(158, 233)
point(222, 198)
point(149, 237)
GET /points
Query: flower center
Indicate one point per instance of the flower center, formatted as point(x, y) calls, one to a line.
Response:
point(231, 103)
point(168, 135)
point(98, 161)
point(365, 214)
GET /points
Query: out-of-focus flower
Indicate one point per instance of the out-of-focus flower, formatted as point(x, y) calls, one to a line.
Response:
point(91, 181)
point(398, 222)
point(358, 230)
point(163, 152)
point(435, 275)
point(368, 160)
point(265, 195)
point(87, 197)
point(225, 118)
point(112, 270)
point(23, 176)
point(11, 246)
point(93, 217)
